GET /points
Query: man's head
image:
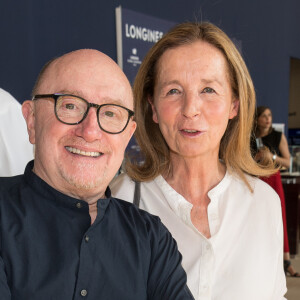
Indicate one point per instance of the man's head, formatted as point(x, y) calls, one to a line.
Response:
point(79, 160)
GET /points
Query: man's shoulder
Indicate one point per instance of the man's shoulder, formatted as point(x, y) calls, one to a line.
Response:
point(9, 188)
point(7, 183)
point(131, 214)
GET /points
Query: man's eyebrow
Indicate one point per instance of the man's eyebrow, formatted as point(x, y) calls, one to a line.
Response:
point(104, 99)
point(71, 92)
point(113, 101)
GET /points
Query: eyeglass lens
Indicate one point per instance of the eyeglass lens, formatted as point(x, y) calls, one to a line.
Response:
point(71, 110)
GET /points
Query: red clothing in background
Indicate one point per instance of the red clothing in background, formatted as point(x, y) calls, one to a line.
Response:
point(275, 182)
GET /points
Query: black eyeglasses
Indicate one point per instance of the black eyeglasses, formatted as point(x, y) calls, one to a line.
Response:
point(72, 110)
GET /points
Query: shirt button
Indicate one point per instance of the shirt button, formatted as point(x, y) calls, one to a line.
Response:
point(83, 293)
point(78, 205)
point(87, 238)
point(207, 247)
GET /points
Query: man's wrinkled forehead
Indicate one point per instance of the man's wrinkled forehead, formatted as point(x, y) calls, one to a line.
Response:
point(90, 72)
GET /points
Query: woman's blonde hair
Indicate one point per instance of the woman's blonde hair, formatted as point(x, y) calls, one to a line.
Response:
point(235, 144)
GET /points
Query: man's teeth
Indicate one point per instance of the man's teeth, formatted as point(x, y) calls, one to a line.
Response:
point(85, 153)
point(189, 130)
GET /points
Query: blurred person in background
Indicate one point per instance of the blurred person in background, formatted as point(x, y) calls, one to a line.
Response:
point(274, 140)
point(275, 148)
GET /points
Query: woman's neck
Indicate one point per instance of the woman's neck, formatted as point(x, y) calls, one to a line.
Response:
point(193, 178)
point(263, 132)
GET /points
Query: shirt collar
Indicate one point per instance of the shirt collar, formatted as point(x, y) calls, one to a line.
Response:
point(47, 191)
point(180, 206)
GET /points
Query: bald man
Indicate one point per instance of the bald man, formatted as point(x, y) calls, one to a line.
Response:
point(62, 234)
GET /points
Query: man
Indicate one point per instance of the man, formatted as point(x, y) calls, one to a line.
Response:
point(62, 235)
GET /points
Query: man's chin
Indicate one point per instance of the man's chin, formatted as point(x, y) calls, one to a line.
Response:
point(81, 185)
point(86, 181)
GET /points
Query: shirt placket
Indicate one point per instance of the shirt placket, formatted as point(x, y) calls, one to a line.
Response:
point(207, 257)
point(205, 270)
point(86, 263)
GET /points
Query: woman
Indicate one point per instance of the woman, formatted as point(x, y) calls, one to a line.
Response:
point(274, 140)
point(194, 108)
point(277, 144)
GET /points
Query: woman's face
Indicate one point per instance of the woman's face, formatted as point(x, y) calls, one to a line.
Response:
point(264, 121)
point(193, 99)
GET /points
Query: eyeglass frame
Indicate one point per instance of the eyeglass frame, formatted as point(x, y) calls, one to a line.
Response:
point(89, 105)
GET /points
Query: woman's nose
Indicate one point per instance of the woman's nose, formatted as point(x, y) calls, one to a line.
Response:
point(191, 105)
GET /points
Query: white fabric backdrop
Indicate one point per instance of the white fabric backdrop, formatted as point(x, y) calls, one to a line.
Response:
point(15, 149)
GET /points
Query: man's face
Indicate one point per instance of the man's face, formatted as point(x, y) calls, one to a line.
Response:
point(83, 174)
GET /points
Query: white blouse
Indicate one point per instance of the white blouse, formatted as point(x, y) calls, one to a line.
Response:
point(243, 259)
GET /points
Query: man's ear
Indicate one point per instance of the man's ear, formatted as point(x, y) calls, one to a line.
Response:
point(154, 112)
point(234, 109)
point(129, 131)
point(132, 129)
point(29, 116)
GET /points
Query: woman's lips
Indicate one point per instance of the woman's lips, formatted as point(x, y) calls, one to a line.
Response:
point(190, 132)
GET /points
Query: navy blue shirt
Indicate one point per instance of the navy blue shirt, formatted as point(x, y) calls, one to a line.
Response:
point(50, 250)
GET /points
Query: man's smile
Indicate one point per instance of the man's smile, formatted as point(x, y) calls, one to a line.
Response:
point(84, 153)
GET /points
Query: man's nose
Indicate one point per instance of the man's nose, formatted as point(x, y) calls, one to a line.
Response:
point(89, 128)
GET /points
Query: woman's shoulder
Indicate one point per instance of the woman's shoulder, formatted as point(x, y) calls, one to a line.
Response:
point(274, 131)
point(122, 187)
point(264, 195)
point(121, 179)
point(274, 135)
point(260, 186)
point(260, 190)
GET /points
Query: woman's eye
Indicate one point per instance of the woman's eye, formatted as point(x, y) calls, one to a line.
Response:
point(208, 90)
point(173, 92)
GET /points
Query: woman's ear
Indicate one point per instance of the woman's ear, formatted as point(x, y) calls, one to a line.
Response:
point(29, 116)
point(234, 109)
point(154, 112)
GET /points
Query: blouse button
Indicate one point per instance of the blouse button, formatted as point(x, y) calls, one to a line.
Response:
point(78, 205)
point(83, 293)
